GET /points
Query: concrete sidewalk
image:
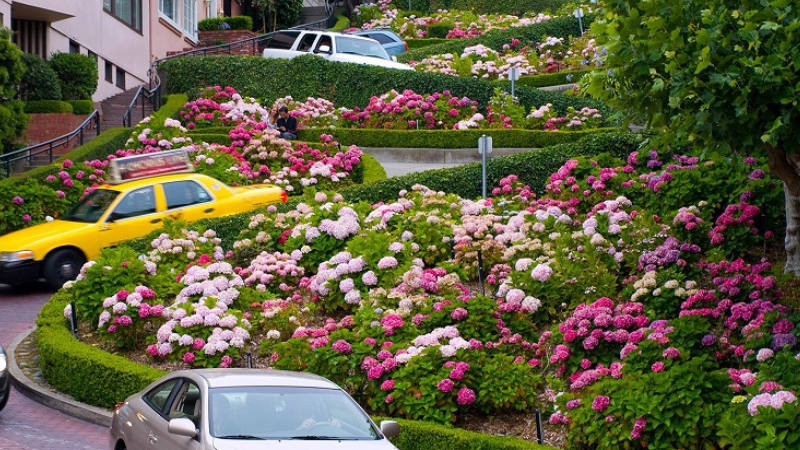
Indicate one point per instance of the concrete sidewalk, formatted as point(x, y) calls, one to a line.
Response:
point(401, 161)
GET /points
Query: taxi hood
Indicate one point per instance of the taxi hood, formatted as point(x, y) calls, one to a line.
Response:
point(38, 235)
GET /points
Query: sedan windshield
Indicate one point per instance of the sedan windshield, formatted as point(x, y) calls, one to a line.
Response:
point(366, 47)
point(92, 207)
point(280, 412)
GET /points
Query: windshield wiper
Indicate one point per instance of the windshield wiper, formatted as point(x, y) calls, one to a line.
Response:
point(322, 438)
point(242, 437)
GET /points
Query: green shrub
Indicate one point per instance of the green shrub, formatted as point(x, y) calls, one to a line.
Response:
point(466, 139)
point(439, 30)
point(373, 170)
point(547, 79)
point(211, 138)
point(516, 7)
point(418, 435)
point(82, 106)
point(40, 81)
point(342, 23)
point(78, 75)
point(414, 44)
point(234, 23)
point(47, 106)
point(562, 27)
point(346, 85)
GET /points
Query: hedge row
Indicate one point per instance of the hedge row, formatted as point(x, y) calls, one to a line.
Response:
point(342, 23)
point(563, 27)
point(346, 85)
point(102, 379)
point(546, 79)
point(448, 139)
point(533, 168)
point(81, 106)
point(233, 23)
point(59, 106)
point(414, 44)
point(516, 7)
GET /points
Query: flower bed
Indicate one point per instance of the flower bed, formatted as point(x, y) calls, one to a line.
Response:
point(620, 282)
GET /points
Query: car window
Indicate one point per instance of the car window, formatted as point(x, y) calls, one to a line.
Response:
point(158, 397)
point(187, 403)
point(382, 38)
point(323, 40)
point(92, 207)
point(135, 203)
point(307, 42)
point(360, 47)
point(283, 40)
point(185, 193)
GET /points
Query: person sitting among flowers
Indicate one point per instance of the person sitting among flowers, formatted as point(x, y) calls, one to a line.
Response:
point(287, 125)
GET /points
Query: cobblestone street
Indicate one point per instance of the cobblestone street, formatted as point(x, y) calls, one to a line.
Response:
point(24, 423)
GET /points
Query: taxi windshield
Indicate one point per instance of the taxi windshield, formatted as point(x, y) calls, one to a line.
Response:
point(92, 207)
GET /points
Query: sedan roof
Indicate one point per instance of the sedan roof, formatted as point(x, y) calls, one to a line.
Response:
point(220, 378)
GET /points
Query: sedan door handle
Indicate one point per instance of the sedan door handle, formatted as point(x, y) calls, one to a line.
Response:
point(208, 210)
point(155, 221)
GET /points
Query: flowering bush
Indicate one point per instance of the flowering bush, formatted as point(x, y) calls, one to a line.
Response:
point(409, 110)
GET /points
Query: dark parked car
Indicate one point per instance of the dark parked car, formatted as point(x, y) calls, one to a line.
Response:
point(5, 386)
point(391, 42)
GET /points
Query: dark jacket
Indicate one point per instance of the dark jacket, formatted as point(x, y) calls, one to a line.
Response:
point(290, 123)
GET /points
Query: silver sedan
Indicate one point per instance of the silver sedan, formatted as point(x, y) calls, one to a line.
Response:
point(245, 409)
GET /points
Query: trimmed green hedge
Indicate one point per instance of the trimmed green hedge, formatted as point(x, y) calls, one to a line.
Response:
point(235, 23)
point(47, 106)
point(82, 106)
point(516, 7)
point(562, 27)
point(87, 373)
point(449, 139)
point(546, 79)
point(373, 170)
point(102, 379)
point(342, 23)
point(414, 44)
point(533, 168)
point(346, 85)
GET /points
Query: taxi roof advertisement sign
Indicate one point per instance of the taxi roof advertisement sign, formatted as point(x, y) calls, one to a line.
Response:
point(149, 165)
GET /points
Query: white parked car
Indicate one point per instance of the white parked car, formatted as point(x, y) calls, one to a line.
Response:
point(331, 46)
point(245, 409)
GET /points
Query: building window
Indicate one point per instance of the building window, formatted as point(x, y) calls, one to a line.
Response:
point(190, 17)
point(169, 8)
point(74, 47)
point(109, 72)
point(128, 11)
point(120, 78)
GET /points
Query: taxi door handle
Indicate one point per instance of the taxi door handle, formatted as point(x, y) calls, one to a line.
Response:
point(155, 221)
point(208, 210)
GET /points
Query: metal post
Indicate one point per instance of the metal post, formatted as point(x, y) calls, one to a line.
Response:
point(539, 434)
point(484, 148)
point(249, 360)
point(80, 134)
point(73, 320)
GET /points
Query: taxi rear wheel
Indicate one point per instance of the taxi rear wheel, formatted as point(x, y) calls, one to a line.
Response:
point(62, 266)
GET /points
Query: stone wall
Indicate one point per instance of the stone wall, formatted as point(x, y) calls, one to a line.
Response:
point(46, 126)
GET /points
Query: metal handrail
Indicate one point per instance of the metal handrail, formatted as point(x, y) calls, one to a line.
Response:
point(153, 91)
point(64, 140)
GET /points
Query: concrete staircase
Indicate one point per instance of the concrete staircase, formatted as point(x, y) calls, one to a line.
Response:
point(113, 108)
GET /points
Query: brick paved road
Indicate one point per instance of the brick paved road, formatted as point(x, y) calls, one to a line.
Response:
point(25, 424)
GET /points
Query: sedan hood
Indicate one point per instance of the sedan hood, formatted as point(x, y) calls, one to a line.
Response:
point(229, 444)
point(26, 237)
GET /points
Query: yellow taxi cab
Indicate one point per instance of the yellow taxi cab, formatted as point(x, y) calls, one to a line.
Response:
point(143, 191)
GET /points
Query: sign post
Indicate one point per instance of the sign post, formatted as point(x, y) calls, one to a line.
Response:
point(513, 75)
point(578, 13)
point(484, 148)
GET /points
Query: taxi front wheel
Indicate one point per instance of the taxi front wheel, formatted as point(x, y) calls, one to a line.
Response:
point(62, 266)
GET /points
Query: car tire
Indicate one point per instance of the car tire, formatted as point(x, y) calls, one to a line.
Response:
point(62, 266)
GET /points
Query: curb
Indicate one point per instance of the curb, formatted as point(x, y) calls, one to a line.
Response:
point(54, 400)
point(436, 155)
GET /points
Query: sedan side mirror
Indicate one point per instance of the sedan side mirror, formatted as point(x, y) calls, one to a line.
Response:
point(390, 428)
point(182, 427)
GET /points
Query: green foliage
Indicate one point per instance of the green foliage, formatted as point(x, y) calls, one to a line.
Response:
point(47, 106)
point(12, 117)
point(563, 27)
point(342, 23)
point(439, 30)
point(516, 7)
point(417, 435)
point(82, 106)
point(78, 75)
point(547, 79)
point(770, 429)
point(87, 373)
point(233, 23)
point(414, 44)
point(372, 169)
point(40, 82)
point(463, 139)
point(346, 85)
point(715, 73)
point(273, 14)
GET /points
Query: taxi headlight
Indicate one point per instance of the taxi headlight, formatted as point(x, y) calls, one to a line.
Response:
point(21, 255)
point(2, 363)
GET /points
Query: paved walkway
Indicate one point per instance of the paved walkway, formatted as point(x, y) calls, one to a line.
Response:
point(25, 424)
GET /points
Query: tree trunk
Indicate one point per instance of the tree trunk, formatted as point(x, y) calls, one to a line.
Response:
point(787, 168)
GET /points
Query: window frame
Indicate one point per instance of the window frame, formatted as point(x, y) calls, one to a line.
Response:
point(175, 12)
point(190, 18)
point(110, 7)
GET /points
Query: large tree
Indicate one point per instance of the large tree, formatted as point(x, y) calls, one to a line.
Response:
point(716, 73)
point(12, 116)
